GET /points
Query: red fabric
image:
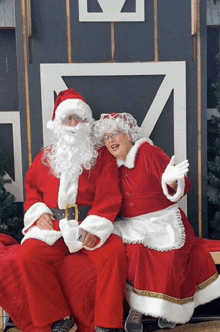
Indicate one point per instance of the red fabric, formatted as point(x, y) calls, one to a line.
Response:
point(176, 273)
point(98, 187)
point(209, 245)
point(111, 270)
point(141, 186)
point(13, 298)
point(44, 290)
point(78, 278)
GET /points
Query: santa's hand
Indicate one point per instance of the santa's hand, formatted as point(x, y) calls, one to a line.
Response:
point(45, 221)
point(175, 172)
point(90, 241)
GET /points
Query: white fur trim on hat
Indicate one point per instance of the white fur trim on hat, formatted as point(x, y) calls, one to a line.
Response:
point(34, 213)
point(179, 192)
point(70, 106)
point(99, 226)
point(130, 159)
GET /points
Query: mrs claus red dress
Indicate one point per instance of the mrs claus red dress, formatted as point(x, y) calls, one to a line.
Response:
point(169, 273)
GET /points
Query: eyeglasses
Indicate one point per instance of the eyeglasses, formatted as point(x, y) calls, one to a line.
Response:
point(112, 135)
point(69, 118)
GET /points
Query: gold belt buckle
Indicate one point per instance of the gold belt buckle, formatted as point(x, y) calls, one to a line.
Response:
point(76, 211)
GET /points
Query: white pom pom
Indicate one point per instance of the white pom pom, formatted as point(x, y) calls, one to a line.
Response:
point(50, 125)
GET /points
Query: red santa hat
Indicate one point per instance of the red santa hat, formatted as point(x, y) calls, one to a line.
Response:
point(70, 101)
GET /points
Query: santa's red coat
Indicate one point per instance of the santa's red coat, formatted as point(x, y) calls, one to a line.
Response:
point(99, 188)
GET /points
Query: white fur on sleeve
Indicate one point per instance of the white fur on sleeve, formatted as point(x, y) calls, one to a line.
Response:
point(99, 226)
point(33, 213)
point(179, 192)
point(69, 230)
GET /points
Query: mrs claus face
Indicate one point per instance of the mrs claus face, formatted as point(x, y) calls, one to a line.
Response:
point(118, 144)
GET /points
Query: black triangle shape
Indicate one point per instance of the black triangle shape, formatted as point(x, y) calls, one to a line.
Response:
point(94, 6)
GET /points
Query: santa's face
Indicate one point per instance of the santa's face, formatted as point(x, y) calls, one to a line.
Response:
point(72, 147)
point(73, 120)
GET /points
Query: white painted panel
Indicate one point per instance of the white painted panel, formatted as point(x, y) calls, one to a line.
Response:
point(215, 17)
point(2, 14)
point(208, 18)
point(175, 80)
point(9, 13)
point(15, 187)
point(208, 14)
point(212, 12)
point(111, 12)
point(218, 10)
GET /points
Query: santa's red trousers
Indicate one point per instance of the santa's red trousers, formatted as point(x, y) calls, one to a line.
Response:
point(46, 297)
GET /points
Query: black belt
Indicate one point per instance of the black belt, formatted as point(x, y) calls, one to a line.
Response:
point(78, 212)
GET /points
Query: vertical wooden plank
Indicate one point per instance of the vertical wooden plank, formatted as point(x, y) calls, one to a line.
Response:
point(193, 27)
point(156, 48)
point(113, 41)
point(1, 320)
point(26, 74)
point(69, 34)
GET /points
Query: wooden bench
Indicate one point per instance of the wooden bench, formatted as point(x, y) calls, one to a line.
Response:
point(13, 329)
point(216, 257)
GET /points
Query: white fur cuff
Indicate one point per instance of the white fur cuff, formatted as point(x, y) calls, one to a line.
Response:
point(69, 230)
point(99, 226)
point(179, 193)
point(34, 213)
point(45, 235)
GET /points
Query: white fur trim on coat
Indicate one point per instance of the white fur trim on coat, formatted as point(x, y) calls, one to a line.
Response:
point(34, 213)
point(179, 192)
point(174, 312)
point(99, 226)
point(68, 191)
point(45, 235)
point(69, 230)
point(130, 159)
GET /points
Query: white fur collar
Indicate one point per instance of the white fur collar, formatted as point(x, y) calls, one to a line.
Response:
point(130, 159)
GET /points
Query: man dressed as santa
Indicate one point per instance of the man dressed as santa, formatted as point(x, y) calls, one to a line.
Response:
point(72, 199)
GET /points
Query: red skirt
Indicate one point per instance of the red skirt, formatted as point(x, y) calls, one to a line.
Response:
point(170, 284)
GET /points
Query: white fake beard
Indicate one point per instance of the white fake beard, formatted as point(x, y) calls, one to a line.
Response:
point(72, 150)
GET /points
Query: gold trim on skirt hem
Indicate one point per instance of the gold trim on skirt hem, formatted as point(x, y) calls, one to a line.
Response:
point(170, 298)
point(207, 282)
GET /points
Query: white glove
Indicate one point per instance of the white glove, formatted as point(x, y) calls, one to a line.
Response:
point(175, 172)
